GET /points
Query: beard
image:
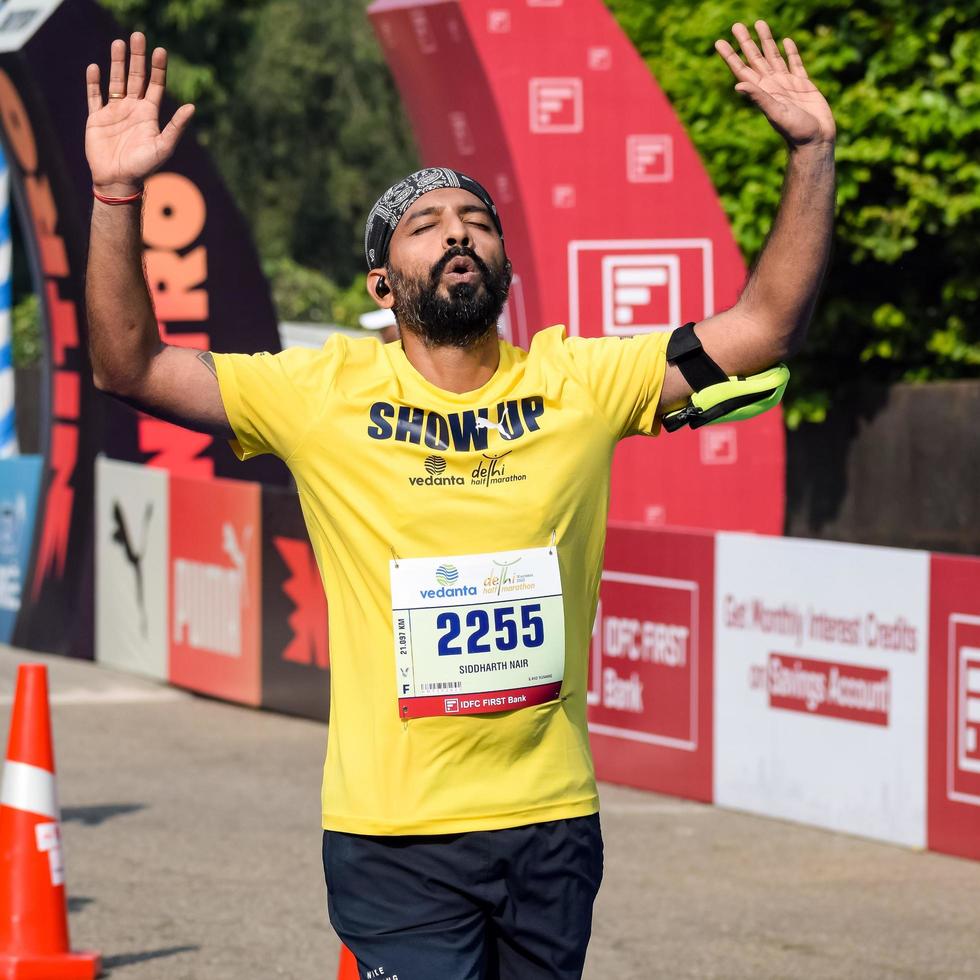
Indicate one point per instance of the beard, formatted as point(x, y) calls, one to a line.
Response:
point(463, 318)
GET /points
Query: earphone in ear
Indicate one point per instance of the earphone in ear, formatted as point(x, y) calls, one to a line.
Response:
point(382, 287)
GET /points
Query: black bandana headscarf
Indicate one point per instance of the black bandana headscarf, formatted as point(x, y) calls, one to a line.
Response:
point(392, 205)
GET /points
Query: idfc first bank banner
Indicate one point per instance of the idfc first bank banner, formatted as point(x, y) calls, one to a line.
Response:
point(954, 706)
point(650, 690)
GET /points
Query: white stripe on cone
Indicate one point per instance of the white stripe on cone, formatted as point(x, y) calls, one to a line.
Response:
point(29, 788)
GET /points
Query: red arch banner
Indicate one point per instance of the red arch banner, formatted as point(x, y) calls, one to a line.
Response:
point(612, 223)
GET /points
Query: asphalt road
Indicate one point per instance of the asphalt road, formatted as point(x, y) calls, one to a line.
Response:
point(192, 852)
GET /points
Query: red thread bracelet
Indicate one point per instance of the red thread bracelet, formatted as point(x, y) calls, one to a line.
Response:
point(117, 200)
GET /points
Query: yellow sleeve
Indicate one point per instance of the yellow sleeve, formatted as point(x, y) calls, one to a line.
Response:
point(625, 375)
point(273, 400)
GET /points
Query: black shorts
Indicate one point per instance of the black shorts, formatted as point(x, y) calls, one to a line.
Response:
point(512, 904)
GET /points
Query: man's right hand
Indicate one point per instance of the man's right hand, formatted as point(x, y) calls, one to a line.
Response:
point(123, 140)
point(124, 145)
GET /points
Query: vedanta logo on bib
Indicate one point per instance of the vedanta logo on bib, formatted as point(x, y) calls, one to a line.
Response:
point(447, 591)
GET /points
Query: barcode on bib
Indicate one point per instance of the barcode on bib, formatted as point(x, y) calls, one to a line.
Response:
point(445, 686)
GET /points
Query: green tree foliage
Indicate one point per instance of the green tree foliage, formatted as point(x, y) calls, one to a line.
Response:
point(303, 294)
point(301, 117)
point(25, 332)
point(901, 298)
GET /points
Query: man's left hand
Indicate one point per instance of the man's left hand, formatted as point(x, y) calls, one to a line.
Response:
point(789, 100)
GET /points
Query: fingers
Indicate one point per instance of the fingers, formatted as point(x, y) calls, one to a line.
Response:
point(93, 88)
point(172, 132)
point(117, 70)
point(738, 67)
point(158, 77)
point(767, 61)
point(137, 66)
point(793, 56)
point(750, 49)
point(769, 48)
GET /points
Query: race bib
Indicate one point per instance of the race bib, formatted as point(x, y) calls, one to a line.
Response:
point(477, 633)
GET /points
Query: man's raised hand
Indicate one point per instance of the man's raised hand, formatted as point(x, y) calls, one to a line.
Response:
point(784, 93)
point(123, 140)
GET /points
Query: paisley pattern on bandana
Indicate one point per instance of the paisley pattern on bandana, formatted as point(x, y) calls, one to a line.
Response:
point(392, 205)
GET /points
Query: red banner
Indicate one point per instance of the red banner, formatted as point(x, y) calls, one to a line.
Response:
point(954, 706)
point(215, 587)
point(650, 690)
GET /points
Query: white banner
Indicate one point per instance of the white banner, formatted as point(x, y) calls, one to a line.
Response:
point(821, 684)
point(132, 543)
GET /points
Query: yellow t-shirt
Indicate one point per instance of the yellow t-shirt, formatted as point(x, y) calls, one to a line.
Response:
point(356, 424)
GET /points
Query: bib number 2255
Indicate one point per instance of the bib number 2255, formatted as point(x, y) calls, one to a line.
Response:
point(499, 629)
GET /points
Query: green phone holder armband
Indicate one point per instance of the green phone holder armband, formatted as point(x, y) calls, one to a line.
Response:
point(717, 397)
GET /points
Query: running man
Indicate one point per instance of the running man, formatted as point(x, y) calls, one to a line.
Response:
point(455, 489)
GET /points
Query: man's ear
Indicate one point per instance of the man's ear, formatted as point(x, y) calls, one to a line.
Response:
point(380, 289)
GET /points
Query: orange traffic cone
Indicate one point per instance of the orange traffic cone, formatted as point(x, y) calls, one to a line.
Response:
point(33, 908)
point(348, 965)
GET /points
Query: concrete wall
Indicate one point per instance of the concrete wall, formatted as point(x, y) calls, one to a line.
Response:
point(899, 466)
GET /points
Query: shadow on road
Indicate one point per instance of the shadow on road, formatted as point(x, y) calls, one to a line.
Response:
point(77, 902)
point(128, 959)
point(92, 816)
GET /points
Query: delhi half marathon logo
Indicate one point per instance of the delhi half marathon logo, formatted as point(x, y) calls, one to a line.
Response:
point(435, 468)
point(504, 579)
point(492, 471)
point(447, 574)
